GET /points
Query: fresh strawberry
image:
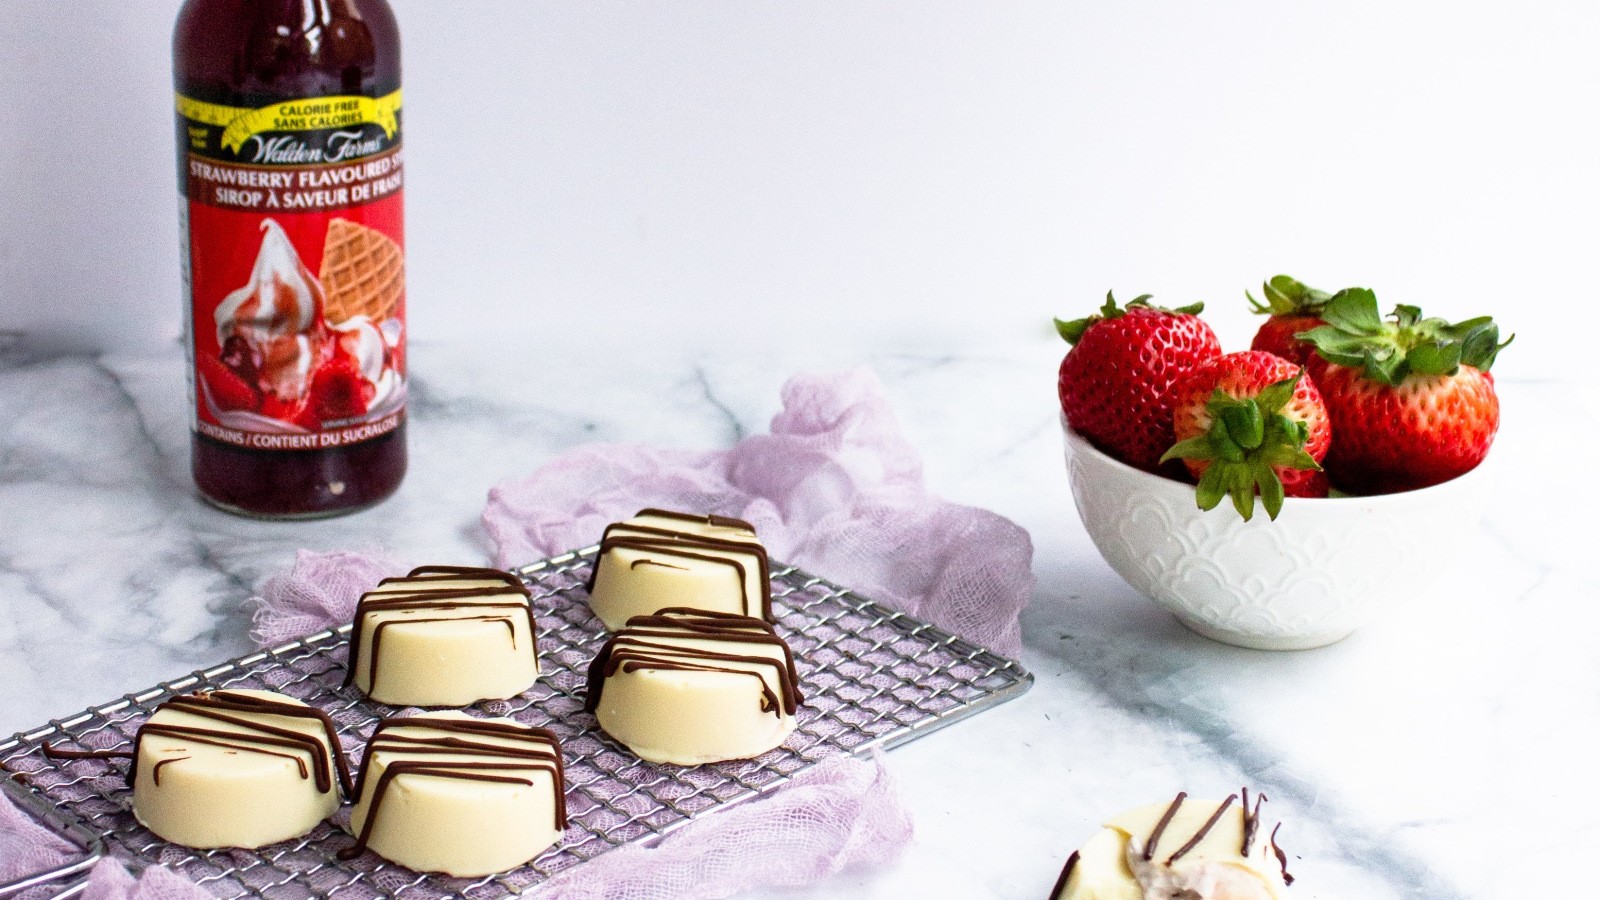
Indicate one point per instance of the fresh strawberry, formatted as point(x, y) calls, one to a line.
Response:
point(1113, 382)
point(338, 391)
point(1411, 399)
point(1291, 308)
point(228, 391)
point(1246, 422)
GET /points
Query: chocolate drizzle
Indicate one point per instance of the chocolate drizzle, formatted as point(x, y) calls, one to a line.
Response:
point(1251, 830)
point(245, 712)
point(1066, 872)
point(427, 594)
point(459, 757)
point(708, 518)
point(1205, 829)
point(654, 643)
point(682, 544)
point(1161, 826)
point(652, 562)
point(1252, 827)
point(1252, 820)
point(479, 573)
point(1283, 858)
point(155, 770)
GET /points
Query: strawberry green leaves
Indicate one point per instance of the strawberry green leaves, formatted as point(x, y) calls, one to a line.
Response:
point(1354, 311)
point(1249, 437)
point(1288, 297)
point(1387, 351)
point(1480, 342)
point(1072, 331)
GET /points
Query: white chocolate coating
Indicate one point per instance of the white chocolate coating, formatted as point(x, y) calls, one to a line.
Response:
point(1101, 870)
point(659, 560)
point(463, 796)
point(1111, 865)
point(444, 637)
point(691, 687)
point(230, 778)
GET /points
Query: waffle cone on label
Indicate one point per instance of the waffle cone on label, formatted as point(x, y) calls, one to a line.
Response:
point(363, 273)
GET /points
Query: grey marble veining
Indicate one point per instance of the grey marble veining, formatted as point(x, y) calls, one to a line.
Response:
point(1444, 752)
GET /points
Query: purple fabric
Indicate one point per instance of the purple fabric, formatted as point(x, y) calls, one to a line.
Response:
point(319, 592)
point(110, 880)
point(27, 848)
point(841, 814)
point(835, 489)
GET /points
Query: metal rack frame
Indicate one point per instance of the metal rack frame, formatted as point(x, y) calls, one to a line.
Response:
point(872, 677)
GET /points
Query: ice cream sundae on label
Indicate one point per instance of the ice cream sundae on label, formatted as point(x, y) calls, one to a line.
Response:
point(284, 367)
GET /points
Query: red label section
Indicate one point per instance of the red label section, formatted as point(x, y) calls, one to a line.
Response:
point(297, 280)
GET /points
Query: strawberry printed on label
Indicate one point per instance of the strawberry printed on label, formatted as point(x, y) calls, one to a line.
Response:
point(243, 359)
point(228, 391)
point(297, 413)
point(339, 391)
point(362, 347)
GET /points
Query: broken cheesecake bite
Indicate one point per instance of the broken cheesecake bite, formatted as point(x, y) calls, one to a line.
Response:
point(444, 636)
point(1188, 849)
point(690, 686)
point(661, 559)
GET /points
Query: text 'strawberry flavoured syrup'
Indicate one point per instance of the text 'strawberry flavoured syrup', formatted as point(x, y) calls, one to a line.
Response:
point(291, 170)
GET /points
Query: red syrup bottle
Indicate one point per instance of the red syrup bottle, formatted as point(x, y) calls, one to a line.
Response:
point(290, 169)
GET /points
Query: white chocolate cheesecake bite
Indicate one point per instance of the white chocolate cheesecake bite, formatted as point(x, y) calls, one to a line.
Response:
point(444, 792)
point(1189, 849)
point(444, 636)
point(690, 686)
point(236, 769)
point(661, 559)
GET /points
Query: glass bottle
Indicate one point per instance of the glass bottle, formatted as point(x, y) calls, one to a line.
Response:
point(290, 170)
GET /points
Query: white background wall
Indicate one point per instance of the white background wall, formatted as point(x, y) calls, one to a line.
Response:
point(791, 171)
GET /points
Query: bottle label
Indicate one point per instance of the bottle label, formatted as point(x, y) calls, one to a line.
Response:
point(294, 265)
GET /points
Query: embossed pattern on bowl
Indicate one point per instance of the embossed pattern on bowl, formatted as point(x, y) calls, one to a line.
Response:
point(1323, 569)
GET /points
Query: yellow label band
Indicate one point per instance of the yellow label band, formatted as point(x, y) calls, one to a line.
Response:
point(239, 124)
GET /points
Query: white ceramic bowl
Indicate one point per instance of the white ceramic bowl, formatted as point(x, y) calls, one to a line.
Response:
point(1323, 569)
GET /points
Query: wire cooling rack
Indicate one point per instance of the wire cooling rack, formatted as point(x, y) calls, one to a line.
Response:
point(872, 677)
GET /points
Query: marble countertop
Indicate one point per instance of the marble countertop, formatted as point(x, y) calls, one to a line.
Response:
point(1446, 751)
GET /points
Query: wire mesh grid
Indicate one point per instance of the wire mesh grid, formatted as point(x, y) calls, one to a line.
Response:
point(872, 677)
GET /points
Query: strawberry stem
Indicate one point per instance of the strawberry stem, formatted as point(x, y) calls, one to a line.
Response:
point(1249, 438)
point(1287, 297)
point(1245, 424)
point(1072, 330)
point(1387, 350)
